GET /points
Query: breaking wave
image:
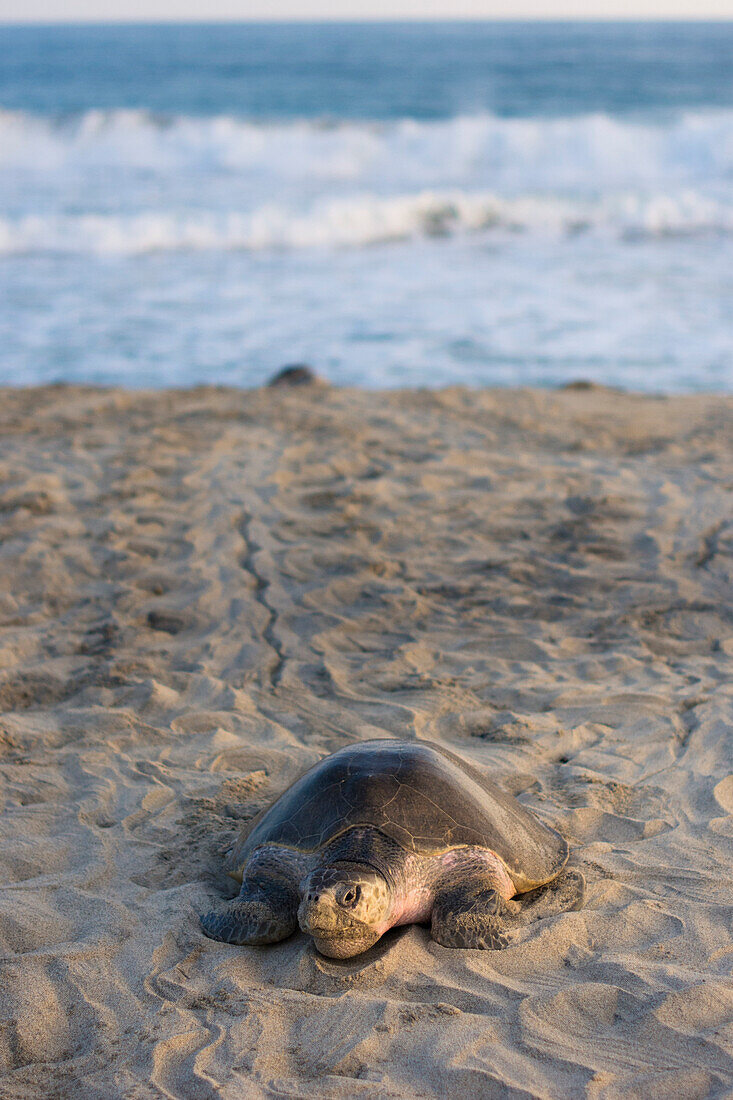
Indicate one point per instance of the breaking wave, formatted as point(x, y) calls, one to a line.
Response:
point(575, 151)
point(364, 220)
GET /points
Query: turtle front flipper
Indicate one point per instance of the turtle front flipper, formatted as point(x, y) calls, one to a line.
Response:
point(264, 912)
point(471, 913)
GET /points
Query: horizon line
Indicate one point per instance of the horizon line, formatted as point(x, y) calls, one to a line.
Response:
point(163, 21)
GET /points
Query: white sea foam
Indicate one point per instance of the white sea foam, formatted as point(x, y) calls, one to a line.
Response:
point(476, 249)
point(126, 181)
point(364, 220)
point(539, 152)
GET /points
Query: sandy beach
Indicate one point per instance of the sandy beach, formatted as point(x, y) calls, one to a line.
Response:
point(204, 591)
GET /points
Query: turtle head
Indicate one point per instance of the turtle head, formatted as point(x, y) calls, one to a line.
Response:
point(345, 909)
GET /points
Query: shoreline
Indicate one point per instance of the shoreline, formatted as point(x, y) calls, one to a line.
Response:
point(204, 590)
point(575, 385)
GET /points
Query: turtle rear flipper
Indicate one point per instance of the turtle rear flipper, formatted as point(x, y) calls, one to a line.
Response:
point(263, 913)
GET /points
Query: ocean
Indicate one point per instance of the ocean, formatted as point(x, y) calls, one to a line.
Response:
point(395, 204)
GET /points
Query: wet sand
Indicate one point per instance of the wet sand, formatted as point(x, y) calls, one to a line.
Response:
point(202, 592)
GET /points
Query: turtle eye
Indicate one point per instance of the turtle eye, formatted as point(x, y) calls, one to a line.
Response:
point(351, 896)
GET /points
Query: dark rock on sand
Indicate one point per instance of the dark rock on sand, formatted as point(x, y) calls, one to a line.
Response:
point(296, 374)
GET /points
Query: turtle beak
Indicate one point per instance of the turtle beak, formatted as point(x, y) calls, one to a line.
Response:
point(339, 947)
point(332, 934)
point(317, 914)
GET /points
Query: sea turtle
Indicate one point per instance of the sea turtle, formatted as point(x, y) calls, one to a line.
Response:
point(390, 832)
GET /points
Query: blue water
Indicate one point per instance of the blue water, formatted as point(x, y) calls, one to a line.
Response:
point(369, 71)
point(397, 204)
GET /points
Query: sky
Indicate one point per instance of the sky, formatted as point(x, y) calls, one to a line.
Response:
point(17, 11)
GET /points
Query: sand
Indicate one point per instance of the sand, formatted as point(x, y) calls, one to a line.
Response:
point(205, 591)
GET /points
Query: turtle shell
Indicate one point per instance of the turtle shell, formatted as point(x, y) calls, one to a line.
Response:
point(420, 795)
